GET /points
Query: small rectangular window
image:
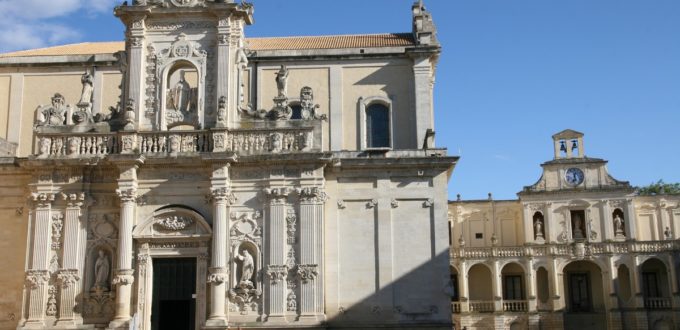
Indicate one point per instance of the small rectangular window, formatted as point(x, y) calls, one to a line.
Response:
point(479, 236)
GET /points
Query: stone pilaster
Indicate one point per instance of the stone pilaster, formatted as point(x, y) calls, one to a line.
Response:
point(631, 220)
point(218, 272)
point(224, 64)
point(276, 270)
point(124, 276)
point(69, 276)
point(531, 285)
point(37, 275)
point(136, 58)
point(497, 286)
point(311, 249)
point(423, 72)
point(464, 294)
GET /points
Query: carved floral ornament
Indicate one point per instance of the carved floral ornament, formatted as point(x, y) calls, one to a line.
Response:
point(68, 277)
point(36, 278)
point(174, 222)
point(218, 275)
point(312, 194)
point(222, 195)
point(277, 273)
point(127, 195)
point(307, 272)
point(124, 277)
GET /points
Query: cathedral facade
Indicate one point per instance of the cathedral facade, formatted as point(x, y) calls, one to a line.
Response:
point(193, 178)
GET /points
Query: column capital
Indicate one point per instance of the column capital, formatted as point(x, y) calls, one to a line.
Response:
point(42, 200)
point(124, 277)
point(312, 194)
point(35, 278)
point(277, 273)
point(67, 277)
point(218, 275)
point(127, 195)
point(307, 273)
point(276, 195)
point(222, 195)
point(73, 199)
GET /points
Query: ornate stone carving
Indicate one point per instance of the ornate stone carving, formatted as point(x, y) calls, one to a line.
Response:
point(290, 258)
point(372, 204)
point(188, 3)
point(245, 225)
point(291, 304)
point(57, 227)
point(124, 277)
point(277, 273)
point(341, 204)
point(308, 109)
point(291, 228)
point(178, 26)
point(174, 223)
point(51, 301)
point(223, 195)
point(42, 200)
point(312, 194)
point(307, 273)
point(36, 278)
point(73, 199)
point(54, 114)
point(102, 267)
point(99, 304)
point(394, 203)
point(218, 275)
point(222, 113)
point(244, 297)
point(67, 277)
point(127, 195)
point(276, 195)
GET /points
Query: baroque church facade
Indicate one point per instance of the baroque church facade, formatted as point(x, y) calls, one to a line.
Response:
point(192, 178)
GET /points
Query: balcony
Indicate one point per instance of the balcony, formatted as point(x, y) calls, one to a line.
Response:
point(658, 303)
point(516, 306)
point(266, 138)
point(478, 306)
point(564, 250)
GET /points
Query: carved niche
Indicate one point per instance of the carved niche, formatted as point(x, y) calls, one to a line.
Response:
point(246, 244)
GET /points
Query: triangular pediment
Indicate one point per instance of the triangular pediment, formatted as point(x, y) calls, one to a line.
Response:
point(568, 134)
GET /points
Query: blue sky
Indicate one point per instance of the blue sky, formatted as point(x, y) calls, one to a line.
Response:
point(512, 73)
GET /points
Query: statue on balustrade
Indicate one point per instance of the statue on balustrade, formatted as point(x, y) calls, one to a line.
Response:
point(53, 115)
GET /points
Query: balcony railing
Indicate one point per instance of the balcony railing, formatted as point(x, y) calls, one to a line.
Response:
point(658, 303)
point(564, 249)
point(482, 306)
point(244, 141)
point(515, 305)
point(455, 307)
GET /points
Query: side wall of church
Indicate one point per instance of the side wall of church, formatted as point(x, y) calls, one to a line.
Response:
point(14, 217)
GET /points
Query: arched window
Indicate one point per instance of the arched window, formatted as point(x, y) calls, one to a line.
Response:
point(376, 123)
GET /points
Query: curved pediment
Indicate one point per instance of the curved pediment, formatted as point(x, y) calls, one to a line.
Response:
point(173, 223)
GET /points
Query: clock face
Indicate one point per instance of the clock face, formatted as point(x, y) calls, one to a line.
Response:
point(574, 176)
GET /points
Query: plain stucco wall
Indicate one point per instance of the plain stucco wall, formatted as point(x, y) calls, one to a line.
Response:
point(5, 83)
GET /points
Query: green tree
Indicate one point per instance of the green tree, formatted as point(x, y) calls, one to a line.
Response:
point(659, 188)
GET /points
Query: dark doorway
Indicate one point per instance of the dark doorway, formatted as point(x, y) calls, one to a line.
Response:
point(579, 285)
point(174, 286)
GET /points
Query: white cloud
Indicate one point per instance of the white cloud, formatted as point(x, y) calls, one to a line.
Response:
point(29, 24)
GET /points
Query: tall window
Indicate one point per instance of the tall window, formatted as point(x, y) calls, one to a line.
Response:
point(512, 288)
point(377, 126)
point(650, 285)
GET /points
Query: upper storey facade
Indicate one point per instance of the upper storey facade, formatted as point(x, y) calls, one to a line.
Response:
point(355, 92)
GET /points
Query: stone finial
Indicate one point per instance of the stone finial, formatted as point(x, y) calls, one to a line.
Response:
point(424, 29)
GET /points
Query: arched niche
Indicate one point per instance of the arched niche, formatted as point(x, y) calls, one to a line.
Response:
point(91, 259)
point(237, 263)
point(538, 225)
point(619, 223)
point(173, 223)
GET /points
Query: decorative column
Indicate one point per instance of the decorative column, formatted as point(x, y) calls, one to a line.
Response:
point(463, 287)
point(37, 276)
point(531, 285)
point(311, 248)
point(631, 220)
point(218, 272)
point(276, 269)
point(497, 286)
point(123, 279)
point(69, 276)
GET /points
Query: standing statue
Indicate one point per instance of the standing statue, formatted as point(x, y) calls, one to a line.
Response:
point(282, 81)
point(618, 226)
point(179, 97)
point(538, 229)
point(86, 97)
point(578, 233)
point(247, 267)
point(101, 272)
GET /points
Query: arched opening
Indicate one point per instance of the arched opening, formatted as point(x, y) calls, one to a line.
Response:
point(623, 286)
point(655, 284)
point(181, 95)
point(619, 223)
point(513, 288)
point(481, 298)
point(377, 126)
point(584, 296)
point(663, 325)
point(543, 289)
point(539, 227)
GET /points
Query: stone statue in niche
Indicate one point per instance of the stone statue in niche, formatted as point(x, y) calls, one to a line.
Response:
point(578, 232)
point(179, 97)
point(54, 115)
point(247, 267)
point(538, 229)
point(618, 226)
point(282, 81)
point(101, 272)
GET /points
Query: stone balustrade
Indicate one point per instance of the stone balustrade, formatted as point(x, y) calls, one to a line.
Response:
point(658, 303)
point(517, 306)
point(244, 141)
point(455, 307)
point(564, 249)
point(480, 306)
